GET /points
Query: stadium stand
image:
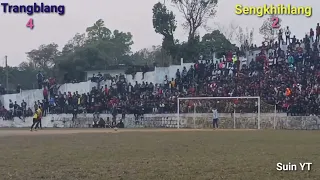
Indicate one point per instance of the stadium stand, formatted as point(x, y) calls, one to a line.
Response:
point(285, 75)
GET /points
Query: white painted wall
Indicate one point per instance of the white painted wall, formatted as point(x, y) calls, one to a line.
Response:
point(56, 120)
point(30, 96)
point(89, 74)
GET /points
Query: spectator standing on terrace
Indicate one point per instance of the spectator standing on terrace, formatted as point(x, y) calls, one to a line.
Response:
point(317, 32)
point(287, 33)
point(18, 89)
point(24, 107)
point(40, 79)
point(145, 69)
point(45, 94)
point(280, 38)
point(311, 35)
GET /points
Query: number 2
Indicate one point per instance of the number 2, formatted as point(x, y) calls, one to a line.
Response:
point(275, 22)
point(30, 23)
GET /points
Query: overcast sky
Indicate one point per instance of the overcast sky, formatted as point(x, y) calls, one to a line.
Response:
point(125, 15)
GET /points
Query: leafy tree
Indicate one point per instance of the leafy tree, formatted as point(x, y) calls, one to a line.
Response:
point(44, 57)
point(120, 44)
point(190, 51)
point(26, 66)
point(195, 14)
point(164, 23)
point(77, 41)
point(98, 48)
point(215, 42)
point(26, 78)
point(98, 31)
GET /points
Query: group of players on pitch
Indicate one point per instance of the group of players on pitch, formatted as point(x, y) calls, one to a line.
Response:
point(37, 119)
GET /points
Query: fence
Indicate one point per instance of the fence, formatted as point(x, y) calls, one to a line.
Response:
point(188, 120)
point(243, 121)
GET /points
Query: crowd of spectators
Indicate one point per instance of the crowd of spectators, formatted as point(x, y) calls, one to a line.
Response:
point(287, 77)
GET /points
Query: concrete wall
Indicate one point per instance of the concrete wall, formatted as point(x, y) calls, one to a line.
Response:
point(89, 74)
point(243, 121)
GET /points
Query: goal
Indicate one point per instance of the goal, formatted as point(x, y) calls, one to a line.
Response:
point(234, 112)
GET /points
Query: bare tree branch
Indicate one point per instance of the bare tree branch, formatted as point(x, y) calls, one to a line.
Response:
point(196, 13)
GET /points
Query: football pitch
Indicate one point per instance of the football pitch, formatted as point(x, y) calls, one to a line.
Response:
point(157, 154)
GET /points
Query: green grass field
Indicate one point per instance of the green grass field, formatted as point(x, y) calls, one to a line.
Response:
point(147, 155)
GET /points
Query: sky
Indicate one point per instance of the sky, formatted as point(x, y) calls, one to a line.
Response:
point(125, 15)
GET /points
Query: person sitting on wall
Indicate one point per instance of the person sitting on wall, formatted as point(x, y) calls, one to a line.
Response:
point(108, 123)
point(18, 89)
point(94, 78)
point(120, 124)
point(145, 69)
point(29, 112)
point(95, 124)
point(101, 123)
point(40, 79)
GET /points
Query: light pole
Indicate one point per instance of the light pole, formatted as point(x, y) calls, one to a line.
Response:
point(7, 72)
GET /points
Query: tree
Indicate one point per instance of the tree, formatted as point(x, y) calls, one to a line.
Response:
point(98, 31)
point(266, 29)
point(98, 48)
point(26, 66)
point(77, 41)
point(244, 37)
point(121, 44)
point(111, 46)
point(155, 55)
point(195, 14)
point(236, 34)
point(215, 42)
point(164, 23)
point(228, 31)
point(44, 57)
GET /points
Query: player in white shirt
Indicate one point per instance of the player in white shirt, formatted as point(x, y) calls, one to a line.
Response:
point(215, 118)
point(287, 33)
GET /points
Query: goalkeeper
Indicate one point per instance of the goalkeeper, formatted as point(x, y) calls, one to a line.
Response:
point(215, 118)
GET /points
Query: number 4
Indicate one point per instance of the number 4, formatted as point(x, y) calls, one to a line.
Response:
point(30, 23)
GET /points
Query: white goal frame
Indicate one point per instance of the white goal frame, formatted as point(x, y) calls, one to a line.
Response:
point(234, 112)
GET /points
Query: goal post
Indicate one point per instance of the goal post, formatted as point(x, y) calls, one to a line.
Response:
point(195, 102)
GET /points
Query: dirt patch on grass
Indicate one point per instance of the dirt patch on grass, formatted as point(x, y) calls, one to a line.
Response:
point(26, 132)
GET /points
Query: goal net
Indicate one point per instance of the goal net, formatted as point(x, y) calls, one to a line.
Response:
point(233, 112)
